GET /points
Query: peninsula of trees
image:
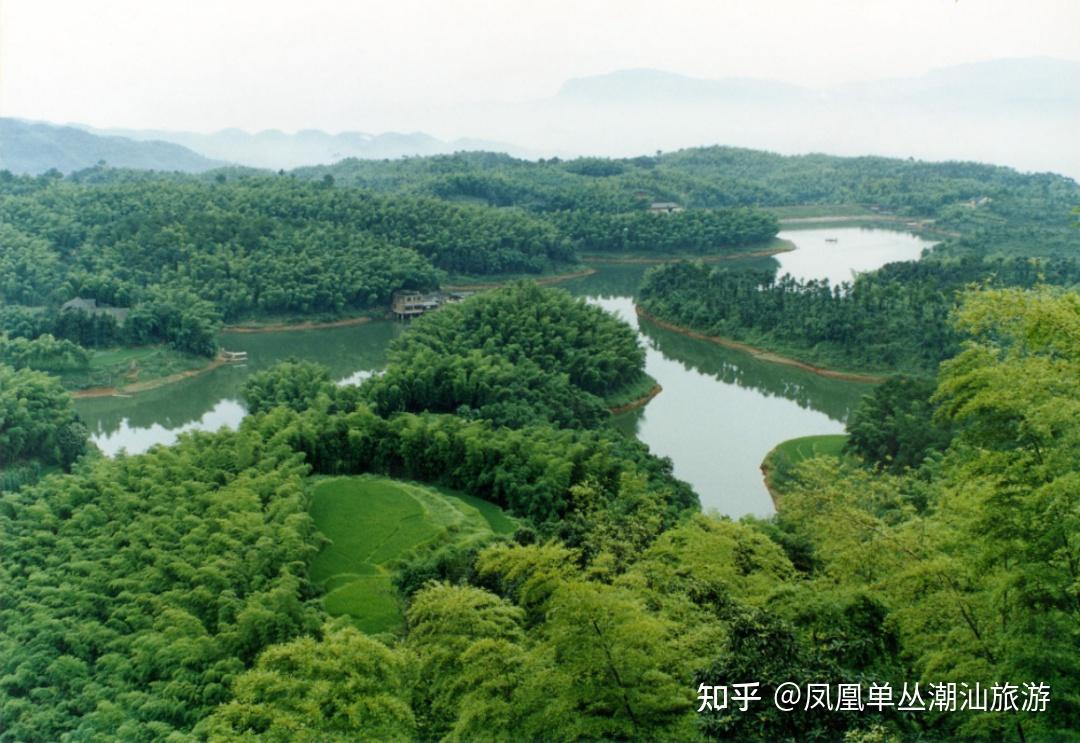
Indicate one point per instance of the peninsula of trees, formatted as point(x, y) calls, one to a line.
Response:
point(519, 569)
point(598, 616)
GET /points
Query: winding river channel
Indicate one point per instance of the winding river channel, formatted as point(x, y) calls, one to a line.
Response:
point(720, 413)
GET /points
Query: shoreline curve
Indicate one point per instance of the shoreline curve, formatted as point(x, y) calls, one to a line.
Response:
point(760, 353)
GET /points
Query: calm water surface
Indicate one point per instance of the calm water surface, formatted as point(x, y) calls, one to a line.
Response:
point(719, 414)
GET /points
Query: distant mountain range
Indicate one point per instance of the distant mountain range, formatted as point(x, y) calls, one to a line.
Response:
point(1019, 112)
point(1035, 81)
point(35, 147)
point(275, 149)
point(30, 147)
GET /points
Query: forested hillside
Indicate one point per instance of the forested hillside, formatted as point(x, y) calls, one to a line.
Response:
point(599, 617)
point(891, 319)
point(961, 196)
point(512, 356)
point(184, 594)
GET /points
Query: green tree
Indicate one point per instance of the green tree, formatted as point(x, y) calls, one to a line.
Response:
point(343, 687)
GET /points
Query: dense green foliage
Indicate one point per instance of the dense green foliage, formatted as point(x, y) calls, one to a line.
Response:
point(132, 633)
point(186, 593)
point(723, 177)
point(259, 245)
point(699, 232)
point(295, 384)
point(513, 356)
point(785, 456)
point(200, 618)
point(894, 426)
point(44, 353)
point(977, 563)
point(1005, 206)
point(531, 472)
point(892, 318)
point(38, 425)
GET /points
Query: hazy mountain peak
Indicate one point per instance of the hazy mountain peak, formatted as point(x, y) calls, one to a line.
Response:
point(35, 147)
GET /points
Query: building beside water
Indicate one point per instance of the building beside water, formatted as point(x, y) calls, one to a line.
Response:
point(407, 304)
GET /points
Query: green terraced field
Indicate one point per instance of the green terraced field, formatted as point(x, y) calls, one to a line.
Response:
point(374, 522)
point(808, 447)
point(785, 455)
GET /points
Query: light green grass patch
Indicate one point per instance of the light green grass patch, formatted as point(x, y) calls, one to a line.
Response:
point(782, 459)
point(808, 447)
point(116, 367)
point(372, 524)
point(101, 359)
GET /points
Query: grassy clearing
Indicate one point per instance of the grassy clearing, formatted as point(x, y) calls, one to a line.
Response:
point(794, 451)
point(117, 367)
point(631, 393)
point(372, 524)
point(784, 456)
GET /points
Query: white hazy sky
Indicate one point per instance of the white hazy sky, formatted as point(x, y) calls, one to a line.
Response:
point(255, 64)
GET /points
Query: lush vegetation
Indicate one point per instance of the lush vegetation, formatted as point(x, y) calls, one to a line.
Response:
point(782, 459)
point(184, 253)
point(977, 551)
point(891, 319)
point(512, 356)
point(44, 353)
point(699, 232)
point(373, 525)
point(39, 429)
point(189, 593)
point(710, 177)
point(897, 427)
point(133, 633)
point(206, 615)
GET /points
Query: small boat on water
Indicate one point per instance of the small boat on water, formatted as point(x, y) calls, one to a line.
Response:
point(831, 240)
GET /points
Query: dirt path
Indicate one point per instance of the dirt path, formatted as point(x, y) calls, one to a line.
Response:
point(762, 354)
point(640, 402)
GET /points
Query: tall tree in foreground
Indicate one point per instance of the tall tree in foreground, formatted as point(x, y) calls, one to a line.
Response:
point(38, 425)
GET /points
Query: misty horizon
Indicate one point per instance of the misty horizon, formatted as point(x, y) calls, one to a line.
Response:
point(991, 82)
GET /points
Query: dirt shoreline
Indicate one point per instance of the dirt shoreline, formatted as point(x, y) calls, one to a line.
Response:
point(762, 354)
point(150, 384)
point(912, 224)
point(284, 327)
point(638, 403)
point(773, 494)
point(626, 261)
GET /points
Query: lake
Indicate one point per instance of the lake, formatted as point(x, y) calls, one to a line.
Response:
point(720, 413)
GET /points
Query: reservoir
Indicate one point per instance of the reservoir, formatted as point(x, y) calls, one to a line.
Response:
point(720, 412)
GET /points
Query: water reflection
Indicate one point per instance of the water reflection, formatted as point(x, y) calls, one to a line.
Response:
point(212, 400)
point(720, 412)
point(833, 397)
